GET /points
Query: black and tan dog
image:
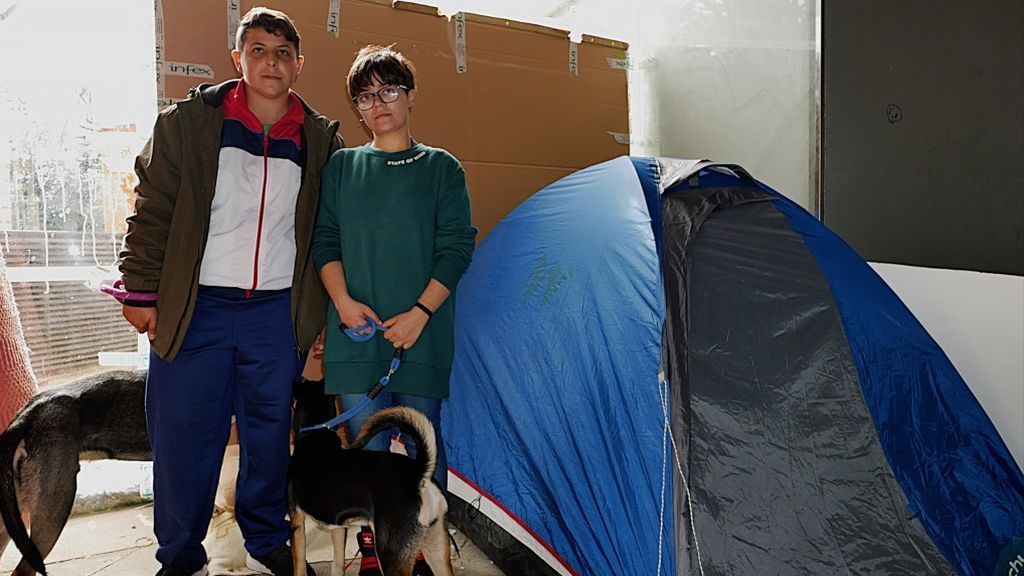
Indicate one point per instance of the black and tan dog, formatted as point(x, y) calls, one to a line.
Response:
point(396, 494)
point(97, 417)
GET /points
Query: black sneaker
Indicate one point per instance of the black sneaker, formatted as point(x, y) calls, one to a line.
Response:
point(277, 562)
point(172, 571)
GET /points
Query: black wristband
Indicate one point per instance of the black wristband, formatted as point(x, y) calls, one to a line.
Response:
point(426, 310)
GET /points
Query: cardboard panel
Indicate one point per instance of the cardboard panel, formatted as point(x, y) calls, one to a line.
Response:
point(517, 118)
point(496, 189)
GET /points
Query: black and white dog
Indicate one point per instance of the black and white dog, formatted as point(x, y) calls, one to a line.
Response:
point(97, 417)
point(337, 486)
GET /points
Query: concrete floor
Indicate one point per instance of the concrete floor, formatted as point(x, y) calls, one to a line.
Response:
point(121, 543)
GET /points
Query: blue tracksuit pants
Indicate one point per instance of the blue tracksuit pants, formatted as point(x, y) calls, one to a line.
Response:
point(238, 357)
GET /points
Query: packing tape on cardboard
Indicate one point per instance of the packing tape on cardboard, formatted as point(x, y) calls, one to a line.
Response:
point(619, 137)
point(333, 18)
point(188, 69)
point(574, 58)
point(234, 16)
point(158, 17)
point(459, 19)
point(618, 63)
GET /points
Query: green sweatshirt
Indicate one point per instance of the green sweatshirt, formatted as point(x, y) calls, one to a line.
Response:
point(394, 220)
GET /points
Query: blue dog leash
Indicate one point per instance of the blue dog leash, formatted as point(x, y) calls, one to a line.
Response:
point(354, 333)
point(396, 360)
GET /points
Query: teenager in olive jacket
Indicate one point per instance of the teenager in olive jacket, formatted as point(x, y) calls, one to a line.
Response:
point(166, 236)
point(217, 269)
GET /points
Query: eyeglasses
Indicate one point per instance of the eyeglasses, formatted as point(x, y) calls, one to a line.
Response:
point(386, 94)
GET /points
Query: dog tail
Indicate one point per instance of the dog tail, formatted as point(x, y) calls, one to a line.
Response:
point(412, 423)
point(9, 509)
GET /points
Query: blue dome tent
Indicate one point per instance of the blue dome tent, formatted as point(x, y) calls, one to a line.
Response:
point(664, 367)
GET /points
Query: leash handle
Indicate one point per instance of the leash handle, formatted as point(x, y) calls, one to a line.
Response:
point(354, 333)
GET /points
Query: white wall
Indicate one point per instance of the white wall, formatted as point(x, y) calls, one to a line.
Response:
point(728, 80)
point(734, 81)
point(978, 320)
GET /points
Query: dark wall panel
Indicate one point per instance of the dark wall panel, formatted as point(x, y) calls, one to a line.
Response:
point(923, 131)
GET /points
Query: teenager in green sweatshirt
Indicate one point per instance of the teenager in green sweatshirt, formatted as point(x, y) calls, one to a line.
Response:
point(392, 239)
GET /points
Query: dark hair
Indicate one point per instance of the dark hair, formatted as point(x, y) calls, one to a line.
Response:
point(274, 21)
point(386, 65)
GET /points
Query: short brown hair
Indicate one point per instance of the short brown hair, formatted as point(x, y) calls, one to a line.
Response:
point(383, 63)
point(274, 21)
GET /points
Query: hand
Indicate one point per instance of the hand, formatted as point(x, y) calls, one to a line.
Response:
point(318, 347)
point(405, 329)
point(143, 318)
point(354, 314)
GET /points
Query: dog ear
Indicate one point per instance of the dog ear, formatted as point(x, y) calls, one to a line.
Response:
point(303, 386)
point(300, 387)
